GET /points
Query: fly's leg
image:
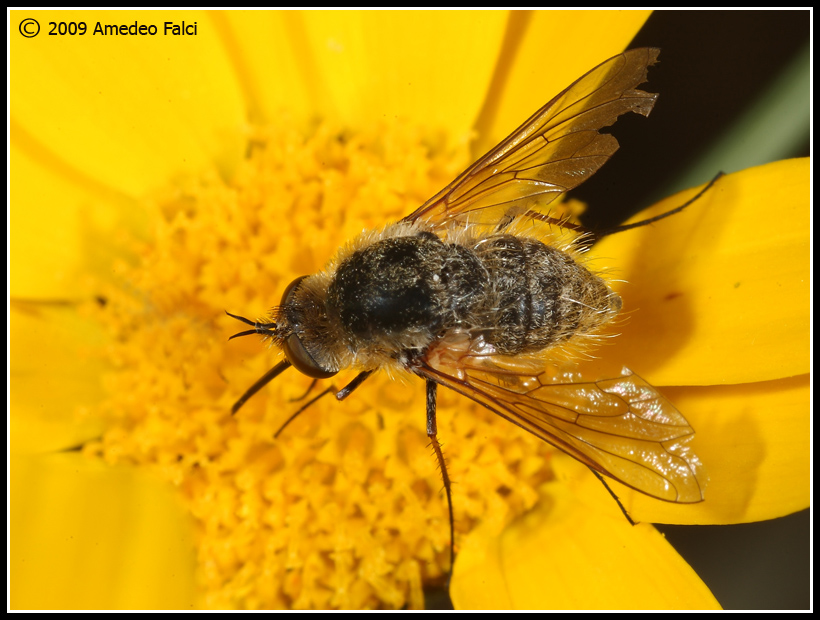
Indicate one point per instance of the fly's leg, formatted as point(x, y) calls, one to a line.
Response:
point(340, 395)
point(432, 431)
point(611, 231)
point(262, 382)
point(590, 236)
point(346, 390)
point(615, 497)
point(307, 391)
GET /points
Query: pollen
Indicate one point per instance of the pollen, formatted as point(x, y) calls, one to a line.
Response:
point(344, 509)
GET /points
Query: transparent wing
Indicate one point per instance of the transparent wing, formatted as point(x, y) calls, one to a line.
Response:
point(621, 427)
point(555, 150)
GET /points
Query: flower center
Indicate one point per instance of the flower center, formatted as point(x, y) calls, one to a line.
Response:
point(344, 508)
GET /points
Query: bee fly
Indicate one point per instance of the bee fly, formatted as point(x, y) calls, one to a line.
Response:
point(463, 295)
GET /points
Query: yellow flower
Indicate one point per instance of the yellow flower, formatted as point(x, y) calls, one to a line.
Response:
point(168, 178)
point(704, 283)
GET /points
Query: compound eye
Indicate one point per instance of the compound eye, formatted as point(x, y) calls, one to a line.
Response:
point(295, 351)
point(290, 290)
point(302, 361)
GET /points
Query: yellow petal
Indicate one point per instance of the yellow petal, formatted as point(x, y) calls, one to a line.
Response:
point(426, 66)
point(274, 66)
point(64, 226)
point(88, 536)
point(130, 111)
point(55, 379)
point(719, 293)
point(544, 52)
point(754, 441)
point(567, 555)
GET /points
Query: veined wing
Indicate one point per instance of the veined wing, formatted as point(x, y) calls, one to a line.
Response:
point(555, 150)
point(621, 427)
